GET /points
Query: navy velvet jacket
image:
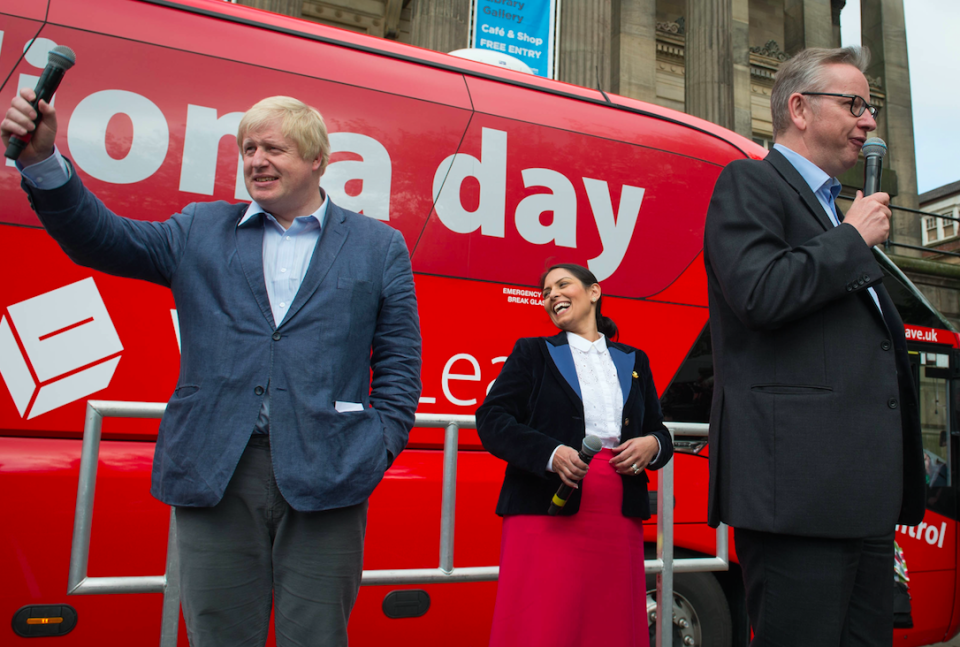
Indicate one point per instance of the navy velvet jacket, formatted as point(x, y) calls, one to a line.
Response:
point(535, 405)
point(356, 310)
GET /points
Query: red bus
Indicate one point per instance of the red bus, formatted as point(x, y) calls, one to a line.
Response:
point(490, 175)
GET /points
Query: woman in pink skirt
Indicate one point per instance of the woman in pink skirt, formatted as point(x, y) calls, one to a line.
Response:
point(576, 579)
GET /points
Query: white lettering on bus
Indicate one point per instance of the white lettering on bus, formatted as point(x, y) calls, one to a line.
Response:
point(492, 175)
point(373, 171)
point(491, 172)
point(447, 376)
point(87, 136)
point(200, 145)
point(933, 535)
point(362, 185)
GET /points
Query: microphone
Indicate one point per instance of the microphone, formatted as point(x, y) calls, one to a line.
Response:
point(591, 446)
point(59, 60)
point(873, 151)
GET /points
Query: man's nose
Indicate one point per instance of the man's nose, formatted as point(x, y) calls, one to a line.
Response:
point(867, 121)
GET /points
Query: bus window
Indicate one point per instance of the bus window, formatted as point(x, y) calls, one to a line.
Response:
point(935, 416)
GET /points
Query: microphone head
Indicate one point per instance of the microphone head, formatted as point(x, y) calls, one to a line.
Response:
point(61, 56)
point(591, 446)
point(874, 147)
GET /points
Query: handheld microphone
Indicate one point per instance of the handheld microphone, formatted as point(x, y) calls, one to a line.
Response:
point(59, 60)
point(591, 446)
point(873, 151)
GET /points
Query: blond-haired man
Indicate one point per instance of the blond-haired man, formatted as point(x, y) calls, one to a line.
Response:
point(811, 371)
point(276, 434)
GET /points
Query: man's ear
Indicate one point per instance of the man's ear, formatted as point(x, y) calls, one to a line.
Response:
point(799, 111)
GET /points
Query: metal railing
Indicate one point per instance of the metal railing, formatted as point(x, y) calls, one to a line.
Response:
point(80, 584)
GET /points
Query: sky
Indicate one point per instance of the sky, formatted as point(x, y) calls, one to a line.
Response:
point(933, 50)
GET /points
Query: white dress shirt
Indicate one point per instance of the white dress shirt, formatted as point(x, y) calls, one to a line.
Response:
point(600, 390)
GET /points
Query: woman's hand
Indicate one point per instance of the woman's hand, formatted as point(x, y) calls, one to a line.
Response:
point(634, 455)
point(567, 463)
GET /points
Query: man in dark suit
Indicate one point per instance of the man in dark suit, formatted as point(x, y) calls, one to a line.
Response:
point(815, 447)
point(276, 435)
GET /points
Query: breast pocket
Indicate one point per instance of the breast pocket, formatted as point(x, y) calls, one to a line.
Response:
point(356, 285)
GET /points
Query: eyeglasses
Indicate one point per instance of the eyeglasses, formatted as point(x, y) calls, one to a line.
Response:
point(857, 103)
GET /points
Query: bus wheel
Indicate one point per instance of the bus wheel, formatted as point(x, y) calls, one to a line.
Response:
point(701, 615)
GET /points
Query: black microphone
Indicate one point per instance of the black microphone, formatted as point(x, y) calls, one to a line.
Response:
point(59, 60)
point(591, 446)
point(873, 151)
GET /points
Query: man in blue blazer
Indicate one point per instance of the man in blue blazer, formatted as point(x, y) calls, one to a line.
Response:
point(299, 373)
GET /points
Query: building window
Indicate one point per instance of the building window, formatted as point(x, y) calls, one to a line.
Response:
point(937, 230)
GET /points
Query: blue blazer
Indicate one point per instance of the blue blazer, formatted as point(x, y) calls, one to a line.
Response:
point(356, 310)
point(536, 404)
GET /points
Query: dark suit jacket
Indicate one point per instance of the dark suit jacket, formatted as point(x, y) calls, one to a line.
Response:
point(814, 428)
point(535, 405)
point(356, 310)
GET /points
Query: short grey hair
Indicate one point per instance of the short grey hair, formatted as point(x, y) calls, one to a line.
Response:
point(806, 72)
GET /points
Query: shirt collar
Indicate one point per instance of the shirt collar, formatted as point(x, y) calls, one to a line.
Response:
point(583, 345)
point(813, 175)
point(320, 215)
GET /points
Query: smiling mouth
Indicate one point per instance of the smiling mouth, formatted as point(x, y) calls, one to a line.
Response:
point(560, 307)
point(265, 178)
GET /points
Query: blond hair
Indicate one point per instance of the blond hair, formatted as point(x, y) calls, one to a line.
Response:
point(807, 72)
point(298, 121)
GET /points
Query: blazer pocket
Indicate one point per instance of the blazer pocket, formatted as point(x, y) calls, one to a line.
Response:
point(347, 407)
point(186, 390)
point(792, 389)
point(360, 285)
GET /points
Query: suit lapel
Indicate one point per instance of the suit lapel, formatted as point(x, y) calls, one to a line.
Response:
point(250, 250)
point(332, 237)
point(559, 351)
point(624, 363)
point(794, 179)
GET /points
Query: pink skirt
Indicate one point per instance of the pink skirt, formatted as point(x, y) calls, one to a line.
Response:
point(574, 581)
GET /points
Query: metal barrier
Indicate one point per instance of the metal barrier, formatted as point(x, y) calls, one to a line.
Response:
point(169, 584)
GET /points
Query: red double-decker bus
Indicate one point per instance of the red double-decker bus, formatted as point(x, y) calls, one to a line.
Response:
point(490, 175)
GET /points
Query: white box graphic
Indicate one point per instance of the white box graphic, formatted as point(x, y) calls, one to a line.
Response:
point(61, 331)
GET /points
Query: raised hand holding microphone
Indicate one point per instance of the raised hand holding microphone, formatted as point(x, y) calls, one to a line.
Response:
point(30, 126)
point(591, 446)
point(870, 213)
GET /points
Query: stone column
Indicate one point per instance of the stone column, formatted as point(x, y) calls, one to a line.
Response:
point(836, 6)
point(633, 49)
point(285, 7)
point(708, 74)
point(884, 33)
point(740, 50)
point(441, 25)
point(585, 37)
point(806, 23)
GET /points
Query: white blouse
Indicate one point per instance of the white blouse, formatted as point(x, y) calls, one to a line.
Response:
point(599, 388)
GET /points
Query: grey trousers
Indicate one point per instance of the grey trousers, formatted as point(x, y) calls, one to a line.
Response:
point(252, 551)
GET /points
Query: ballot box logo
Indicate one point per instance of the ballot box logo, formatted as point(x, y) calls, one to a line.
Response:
point(57, 348)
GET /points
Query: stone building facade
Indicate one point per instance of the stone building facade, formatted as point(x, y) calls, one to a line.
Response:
point(715, 59)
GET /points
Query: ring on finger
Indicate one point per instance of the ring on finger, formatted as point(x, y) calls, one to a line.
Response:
point(635, 468)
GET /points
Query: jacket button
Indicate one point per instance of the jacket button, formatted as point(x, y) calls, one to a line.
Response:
point(885, 345)
point(892, 403)
point(258, 390)
point(626, 422)
point(849, 288)
point(276, 336)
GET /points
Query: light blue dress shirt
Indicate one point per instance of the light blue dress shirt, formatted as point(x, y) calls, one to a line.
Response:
point(826, 189)
point(286, 253)
point(51, 173)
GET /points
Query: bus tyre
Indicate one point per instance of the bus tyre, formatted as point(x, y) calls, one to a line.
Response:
point(701, 615)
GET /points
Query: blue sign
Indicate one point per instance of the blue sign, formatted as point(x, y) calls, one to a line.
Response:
point(523, 29)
